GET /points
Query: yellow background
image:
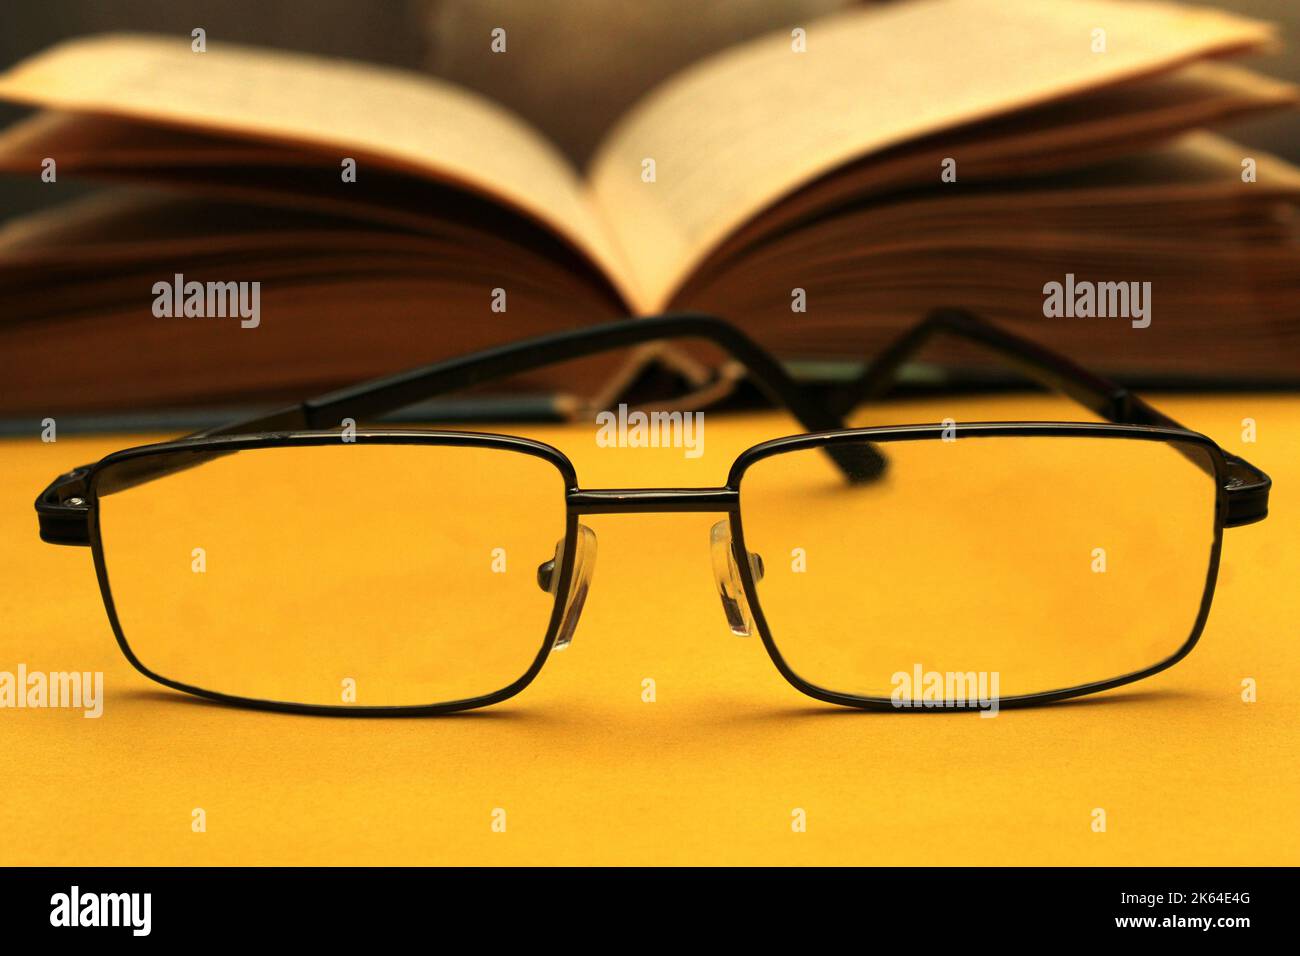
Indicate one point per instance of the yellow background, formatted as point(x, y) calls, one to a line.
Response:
point(708, 774)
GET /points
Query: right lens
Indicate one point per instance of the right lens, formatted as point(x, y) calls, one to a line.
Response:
point(1048, 561)
point(348, 574)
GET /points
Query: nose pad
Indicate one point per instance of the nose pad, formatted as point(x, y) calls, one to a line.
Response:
point(726, 574)
point(548, 579)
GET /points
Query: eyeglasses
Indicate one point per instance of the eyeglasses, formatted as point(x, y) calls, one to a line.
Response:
point(280, 563)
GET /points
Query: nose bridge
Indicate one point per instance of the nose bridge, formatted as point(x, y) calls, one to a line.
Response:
point(652, 500)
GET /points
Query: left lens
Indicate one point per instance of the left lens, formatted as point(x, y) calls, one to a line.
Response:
point(347, 574)
point(1048, 561)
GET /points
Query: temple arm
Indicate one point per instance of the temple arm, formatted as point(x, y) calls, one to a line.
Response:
point(1247, 487)
point(62, 509)
point(380, 396)
point(61, 506)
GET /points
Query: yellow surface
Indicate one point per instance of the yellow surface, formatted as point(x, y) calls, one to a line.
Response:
point(710, 772)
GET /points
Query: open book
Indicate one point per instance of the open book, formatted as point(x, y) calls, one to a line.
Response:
point(822, 188)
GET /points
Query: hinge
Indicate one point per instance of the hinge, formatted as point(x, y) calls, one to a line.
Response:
point(63, 509)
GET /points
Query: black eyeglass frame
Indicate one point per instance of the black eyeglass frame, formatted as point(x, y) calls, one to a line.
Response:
point(968, 432)
point(68, 510)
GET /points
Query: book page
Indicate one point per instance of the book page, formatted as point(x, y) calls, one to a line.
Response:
point(1057, 139)
point(746, 127)
point(373, 114)
point(1214, 249)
